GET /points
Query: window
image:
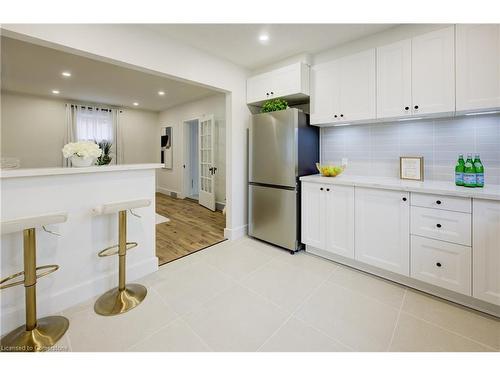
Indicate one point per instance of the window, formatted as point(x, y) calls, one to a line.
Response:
point(94, 124)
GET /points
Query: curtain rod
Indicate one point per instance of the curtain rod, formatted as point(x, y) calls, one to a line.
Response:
point(92, 108)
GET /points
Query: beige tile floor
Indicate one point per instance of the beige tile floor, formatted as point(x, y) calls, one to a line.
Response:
point(249, 296)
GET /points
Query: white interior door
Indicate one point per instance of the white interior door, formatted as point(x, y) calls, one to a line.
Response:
point(207, 168)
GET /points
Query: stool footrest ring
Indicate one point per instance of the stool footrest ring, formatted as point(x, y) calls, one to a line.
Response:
point(113, 250)
point(49, 269)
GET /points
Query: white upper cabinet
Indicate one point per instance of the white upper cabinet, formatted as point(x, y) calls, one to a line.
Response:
point(325, 81)
point(486, 250)
point(433, 72)
point(344, 90)
point(394, 80)
point(290, 82)
point(478, 67)
point(382, 229)
point(358, 87)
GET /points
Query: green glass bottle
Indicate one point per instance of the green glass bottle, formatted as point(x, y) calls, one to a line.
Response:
point(479, 167)
point(469, 172)
point(459, 171)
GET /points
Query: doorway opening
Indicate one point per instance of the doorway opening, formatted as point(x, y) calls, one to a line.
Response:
point(197, 220)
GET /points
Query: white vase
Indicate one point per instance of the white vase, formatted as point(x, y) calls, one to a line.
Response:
point(78, 161)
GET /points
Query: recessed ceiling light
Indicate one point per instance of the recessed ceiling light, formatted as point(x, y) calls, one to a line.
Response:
point(263, 37)
point(55, 92)
point(135, 103)
point(66, 74)
point(161, 93)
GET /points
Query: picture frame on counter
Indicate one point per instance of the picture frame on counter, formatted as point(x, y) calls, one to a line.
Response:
point(411, 168)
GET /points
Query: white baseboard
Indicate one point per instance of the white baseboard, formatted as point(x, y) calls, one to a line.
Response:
point(168, 192)
point(234, 234)
point(408, 281)
point(14, 316)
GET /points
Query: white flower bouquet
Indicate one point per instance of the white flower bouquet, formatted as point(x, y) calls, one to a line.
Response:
point(82, 154)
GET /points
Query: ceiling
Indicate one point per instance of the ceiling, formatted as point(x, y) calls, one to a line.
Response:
point(239, 43)
point(31, 69)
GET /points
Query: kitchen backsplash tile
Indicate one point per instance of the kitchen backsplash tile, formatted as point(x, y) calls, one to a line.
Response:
point(374, 149)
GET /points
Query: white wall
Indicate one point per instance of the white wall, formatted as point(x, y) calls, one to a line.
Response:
point(147, 50)
point(141, 136)
point(171, 180)
point(33, 130)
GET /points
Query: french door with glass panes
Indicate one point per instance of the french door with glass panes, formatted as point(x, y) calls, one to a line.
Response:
point(207, 165)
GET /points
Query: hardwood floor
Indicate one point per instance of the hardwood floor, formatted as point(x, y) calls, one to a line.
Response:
point(192, 227)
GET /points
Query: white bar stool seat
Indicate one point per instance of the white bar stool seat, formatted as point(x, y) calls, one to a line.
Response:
point(126, 296)
point(36, 334)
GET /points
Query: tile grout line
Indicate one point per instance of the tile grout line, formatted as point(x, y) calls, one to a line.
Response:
point(292, 313)
point(198, 336)
point(397, 320)
point(450, 331)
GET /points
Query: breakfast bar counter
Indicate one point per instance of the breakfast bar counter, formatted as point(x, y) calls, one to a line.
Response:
point(75, 192)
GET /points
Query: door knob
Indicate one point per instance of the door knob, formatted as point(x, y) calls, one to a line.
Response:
point(416, 107)
point(438, 202)
point(335, 116)
point(321, 189)
point(407, 108)
point(404, 199)
point(438, 225)
point(438, 264)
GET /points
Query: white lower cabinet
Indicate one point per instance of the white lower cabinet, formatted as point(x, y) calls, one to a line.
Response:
point(312, 215)
point(328, 218)
point(382, 229)
point(436, 240)
point(441, 263)
point(486, 250)
point(339, 220)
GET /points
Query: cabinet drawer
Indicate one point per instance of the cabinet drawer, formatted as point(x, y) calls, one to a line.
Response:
point(442, 225)
point(442, 202)
point(441, 263)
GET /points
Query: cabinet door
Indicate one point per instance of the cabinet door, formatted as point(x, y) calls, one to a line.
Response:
point(394, 80)
point(286, 81)
point(325, 93)
point(433, 72)
point(358, 87)
point(478, 67)
point(312, 215)
point(257, 88)
point(339, 220)
point(486, 250)
point(382, 236)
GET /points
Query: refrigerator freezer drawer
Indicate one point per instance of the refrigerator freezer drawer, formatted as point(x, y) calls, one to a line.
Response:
point(273, 215)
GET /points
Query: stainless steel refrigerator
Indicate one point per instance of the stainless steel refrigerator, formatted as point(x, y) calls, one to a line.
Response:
point(282, 148)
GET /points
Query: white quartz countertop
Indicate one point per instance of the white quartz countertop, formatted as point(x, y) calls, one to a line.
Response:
point(429, 187)
point(35, 172)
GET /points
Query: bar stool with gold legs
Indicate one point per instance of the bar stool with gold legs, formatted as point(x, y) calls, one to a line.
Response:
point(36, 334)
point(126, 296)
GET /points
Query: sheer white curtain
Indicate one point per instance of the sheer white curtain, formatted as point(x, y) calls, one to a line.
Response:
point(87, 123)
point(94, 124)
